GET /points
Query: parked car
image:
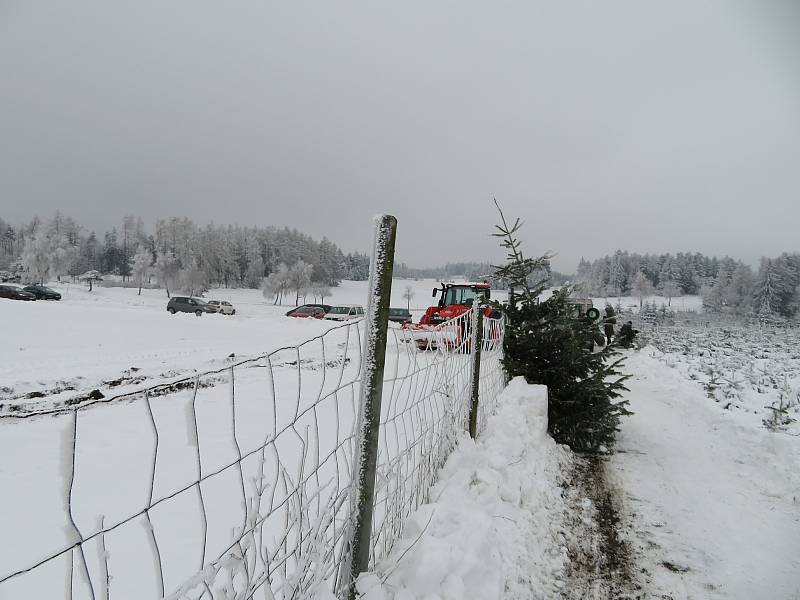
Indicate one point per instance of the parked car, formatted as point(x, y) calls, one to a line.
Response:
point(42, 292)
point(223, 307)
point(189, 305)
point(345, 312)
point(12, 292)
point(325, 308)
point(307, 311)
point(400, 315)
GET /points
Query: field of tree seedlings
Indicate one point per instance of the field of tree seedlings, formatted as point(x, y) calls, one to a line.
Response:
point(744, 366)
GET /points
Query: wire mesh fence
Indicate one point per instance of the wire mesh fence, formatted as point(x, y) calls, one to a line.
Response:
point(235, 483)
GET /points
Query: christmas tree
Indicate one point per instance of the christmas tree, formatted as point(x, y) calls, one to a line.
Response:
point(548, 343)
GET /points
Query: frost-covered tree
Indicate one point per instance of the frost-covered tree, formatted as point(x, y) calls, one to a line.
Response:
point(87, 254)
point(731, 289)
point(767, 293)
point(142, 261)
point(299, 278)
point(228, 255)
point(167, 270)
point(641, 287)
point(357, 267)
point(616, 275)
point(276, 283)
point(255, 273)
point(670, 289)
point(192, 280)
point(63, 256)
point(36, 258)
point(320, 290)
point(739, 291)
point(408, 295)
point(90, 277)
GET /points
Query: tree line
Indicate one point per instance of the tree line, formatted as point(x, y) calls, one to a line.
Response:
point(177, 253)
point(724, 283)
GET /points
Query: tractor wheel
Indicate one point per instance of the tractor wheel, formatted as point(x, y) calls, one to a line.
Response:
point(593, 313)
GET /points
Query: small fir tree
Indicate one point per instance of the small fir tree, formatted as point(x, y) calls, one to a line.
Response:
point(546, 343)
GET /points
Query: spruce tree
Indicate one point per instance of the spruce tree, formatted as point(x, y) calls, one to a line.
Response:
point(547, 343)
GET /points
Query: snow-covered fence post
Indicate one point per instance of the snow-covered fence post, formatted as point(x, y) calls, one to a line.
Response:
point(477, 344)
point(375, 333)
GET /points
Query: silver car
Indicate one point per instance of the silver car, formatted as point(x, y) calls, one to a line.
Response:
point(223, 307)
point(344, 312)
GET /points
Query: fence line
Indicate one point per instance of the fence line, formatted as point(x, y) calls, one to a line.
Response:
point(239, 481)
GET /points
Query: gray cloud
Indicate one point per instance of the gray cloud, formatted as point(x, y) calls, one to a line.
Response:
point(603, 125)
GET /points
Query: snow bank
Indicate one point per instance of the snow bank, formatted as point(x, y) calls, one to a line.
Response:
point(491, 528)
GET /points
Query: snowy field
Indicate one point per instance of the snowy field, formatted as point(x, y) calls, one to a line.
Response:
point(709, 493)
point(115, 341)
point(266, 436)
point(750, 370)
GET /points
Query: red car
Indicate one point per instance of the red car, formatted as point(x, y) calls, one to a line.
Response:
point(307, 312)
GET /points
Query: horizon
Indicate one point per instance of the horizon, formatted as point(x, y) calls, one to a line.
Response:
point(572, 271)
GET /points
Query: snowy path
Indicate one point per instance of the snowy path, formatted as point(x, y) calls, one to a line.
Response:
point(715, 501)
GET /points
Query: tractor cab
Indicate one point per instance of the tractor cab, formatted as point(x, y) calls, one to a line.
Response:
point(451, 294)
point(454, 300)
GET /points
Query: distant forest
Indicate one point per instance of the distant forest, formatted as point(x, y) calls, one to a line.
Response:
point(177, 251)
point(726, 285)
point(182, 255)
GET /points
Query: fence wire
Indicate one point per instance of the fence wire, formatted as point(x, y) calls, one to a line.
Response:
point(235, 482)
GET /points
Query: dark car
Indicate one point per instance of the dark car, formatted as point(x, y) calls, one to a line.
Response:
point(14, 293)
point(42, 292)
point(325, 308)
point(189, 305)
point(307, 311)
point(400, 315)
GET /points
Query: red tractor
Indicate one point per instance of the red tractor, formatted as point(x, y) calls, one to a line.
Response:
point(455, 299)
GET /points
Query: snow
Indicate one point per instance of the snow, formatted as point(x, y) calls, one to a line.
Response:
point(188, 433)
point(743, 367)
point(709, 497)
point(71, 347)
point(712, 496)
point(491, 527)
point(710, 491)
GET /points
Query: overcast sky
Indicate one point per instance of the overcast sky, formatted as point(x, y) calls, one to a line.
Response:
point(650, 126)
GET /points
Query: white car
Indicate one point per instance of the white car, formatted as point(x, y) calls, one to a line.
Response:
point(223, 307)
point(344, 312)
